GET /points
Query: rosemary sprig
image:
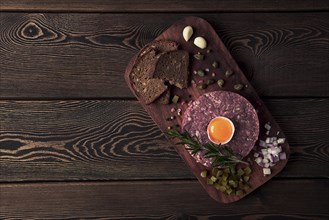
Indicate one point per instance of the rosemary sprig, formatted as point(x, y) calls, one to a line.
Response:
point(222, 155)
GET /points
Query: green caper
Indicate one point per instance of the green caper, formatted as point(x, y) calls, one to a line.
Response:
point(200, 73)
point(204, 173)
point(215, 64)
point(199, 56)
point(238, 86)
point(210, 81)
point(220, 83)
point(202, 86)
point(228, 73)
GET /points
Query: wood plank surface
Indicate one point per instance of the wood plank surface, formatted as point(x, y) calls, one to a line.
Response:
point(126, 167)
point(277, 199)
point(73, 55)
point(163, 6)
point(111, 140)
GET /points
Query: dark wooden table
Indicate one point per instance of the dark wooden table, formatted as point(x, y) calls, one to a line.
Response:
point(75, 143)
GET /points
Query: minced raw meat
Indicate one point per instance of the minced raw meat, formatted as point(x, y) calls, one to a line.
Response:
point(228, 104)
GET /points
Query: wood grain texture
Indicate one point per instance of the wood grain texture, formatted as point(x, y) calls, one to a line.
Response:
point(62, 140)
point(278, 199)
point(111, 140)
point(68, 55)
point(163, 6)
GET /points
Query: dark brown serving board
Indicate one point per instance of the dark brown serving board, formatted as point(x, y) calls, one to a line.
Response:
point(160, 113)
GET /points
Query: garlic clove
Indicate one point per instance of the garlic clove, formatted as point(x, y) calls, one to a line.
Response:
point(187, 33)
point(200, 42)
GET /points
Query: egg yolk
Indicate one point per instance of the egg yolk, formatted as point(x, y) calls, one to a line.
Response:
point(220, 130)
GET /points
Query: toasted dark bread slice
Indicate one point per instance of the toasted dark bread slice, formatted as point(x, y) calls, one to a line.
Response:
point(153, 89)
point(173, 67)
point(141, 75)
point(164, 98)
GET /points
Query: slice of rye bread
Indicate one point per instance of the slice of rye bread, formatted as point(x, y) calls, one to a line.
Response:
point(146, 88)
point(164, 97)
point(173, 67)
point(153, 89)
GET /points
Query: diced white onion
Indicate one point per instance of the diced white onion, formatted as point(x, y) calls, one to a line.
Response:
point(265, 160)
point(271, 152)
point(283, 156)
point(267, 126)
point(281, 140)
point(264, 152)
point(275, 151)
point(266, 171)
point(270, 157)
point(262, 143)
point(258, 160)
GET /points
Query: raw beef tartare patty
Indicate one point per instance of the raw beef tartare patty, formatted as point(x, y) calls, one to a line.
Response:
point(230, 105)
